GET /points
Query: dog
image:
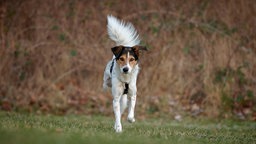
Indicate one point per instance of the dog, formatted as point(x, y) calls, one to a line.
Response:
point(121, 72)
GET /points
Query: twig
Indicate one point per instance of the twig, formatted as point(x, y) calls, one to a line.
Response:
point(151, 12)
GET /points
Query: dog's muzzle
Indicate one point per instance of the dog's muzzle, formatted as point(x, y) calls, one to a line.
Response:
point(125, 70)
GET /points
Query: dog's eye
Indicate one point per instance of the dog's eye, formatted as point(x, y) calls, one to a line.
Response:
point(132, 59)
point(121, 59)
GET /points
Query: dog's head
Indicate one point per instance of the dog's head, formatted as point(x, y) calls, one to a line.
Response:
point(127, 57)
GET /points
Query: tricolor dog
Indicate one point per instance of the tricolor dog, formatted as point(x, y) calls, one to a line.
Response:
point(121, 72)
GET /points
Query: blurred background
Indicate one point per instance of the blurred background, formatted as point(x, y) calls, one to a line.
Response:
point(201, 60)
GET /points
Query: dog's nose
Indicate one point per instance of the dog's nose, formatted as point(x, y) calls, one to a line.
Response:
point(125, 70)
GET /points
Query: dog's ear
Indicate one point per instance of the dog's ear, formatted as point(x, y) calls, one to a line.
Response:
point(117, 50)
point(137, 49)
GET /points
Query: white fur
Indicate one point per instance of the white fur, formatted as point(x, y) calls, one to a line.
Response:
point(123, 34)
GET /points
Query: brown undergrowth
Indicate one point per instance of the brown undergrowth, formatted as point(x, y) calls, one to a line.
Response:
point(201, 59)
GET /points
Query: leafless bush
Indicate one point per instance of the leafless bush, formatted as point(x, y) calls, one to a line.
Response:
point(201, 59)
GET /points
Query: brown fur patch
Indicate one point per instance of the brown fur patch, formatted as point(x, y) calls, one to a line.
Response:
point(137, 50)
point(125, 59)
point(117, 50)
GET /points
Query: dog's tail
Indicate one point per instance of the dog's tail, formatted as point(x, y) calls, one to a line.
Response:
point(121, 32)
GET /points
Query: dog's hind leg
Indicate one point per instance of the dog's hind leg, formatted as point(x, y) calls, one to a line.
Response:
point(106, 81)
point(132, 102)
point(123, 103)
point(107, 77)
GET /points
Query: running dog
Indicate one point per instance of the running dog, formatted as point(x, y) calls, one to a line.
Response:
point(121, 72)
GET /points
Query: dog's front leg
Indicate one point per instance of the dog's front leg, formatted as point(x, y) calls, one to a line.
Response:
point(132, 102)
point(116, 107)
point(116, 91)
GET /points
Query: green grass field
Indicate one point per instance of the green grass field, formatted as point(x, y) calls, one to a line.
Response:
point(29, 128)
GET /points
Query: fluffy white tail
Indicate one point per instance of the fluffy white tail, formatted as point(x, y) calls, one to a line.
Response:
point(122, 33)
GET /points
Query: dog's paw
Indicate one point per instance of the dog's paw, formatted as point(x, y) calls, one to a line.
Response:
point(118, 128)
point(131, 120)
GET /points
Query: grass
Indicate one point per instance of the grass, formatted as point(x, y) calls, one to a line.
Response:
point(31, 128)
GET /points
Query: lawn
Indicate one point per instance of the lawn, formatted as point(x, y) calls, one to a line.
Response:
point(30, 128)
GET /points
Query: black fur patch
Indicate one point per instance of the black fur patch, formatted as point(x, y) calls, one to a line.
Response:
point(126, 88)
point(125, 50)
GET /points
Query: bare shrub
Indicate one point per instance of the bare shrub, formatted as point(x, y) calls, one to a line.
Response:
point(201, 58)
